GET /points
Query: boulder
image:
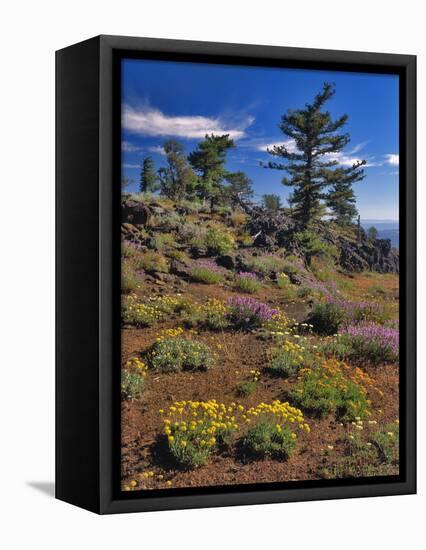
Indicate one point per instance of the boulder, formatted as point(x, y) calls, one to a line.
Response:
point(135, 212)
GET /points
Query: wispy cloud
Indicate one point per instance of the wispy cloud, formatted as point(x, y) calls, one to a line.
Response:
point(125, 165)
point(392, 159)
point(344, 158)
point(156, 149)
point(128, 147)
point(289, 144)
point(152, 122)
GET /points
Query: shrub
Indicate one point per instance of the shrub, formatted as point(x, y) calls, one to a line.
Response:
point(208, 272)
point(178, 255)
point(285, 360)
point(129, 278)
point(326, 317)
point(357, 312)
point(195, 429)
point(377, 291)
point(372, 342)
point(245, 239)
point(272, 432)
point(304, 292)
point(132, 384)
point(387, 443)
point(289, 290)
point(177, 353)
point(332, 387)
point(218, 241)
point(163, 240)
point(313, 246)
point(247, 282)
point(278, 327)
point(265, 265)
point(238, 218)
point(149, 312)
point(244, 389)
point(249, 313)
point(191, 234)
point(376, 454)
point(151, 261)
point(266, 440)
point(212, 315)
point(248, 387)
point(338, 348)
point(128, 249)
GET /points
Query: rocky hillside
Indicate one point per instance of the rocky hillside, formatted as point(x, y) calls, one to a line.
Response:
point(264, 232)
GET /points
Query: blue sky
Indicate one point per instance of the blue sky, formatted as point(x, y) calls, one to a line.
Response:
point(185, 101)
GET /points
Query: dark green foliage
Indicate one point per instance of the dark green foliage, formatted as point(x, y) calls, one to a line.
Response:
point(208, 160)
point(176, 354)
point(239, 186)
point(264, 440)
point(312, 246)
point(148, 182)
point(341, 197)
point(372, 233)
point(244, 389)
point(177, 180)
point(326, 317)
point(132, 384)
point(271, 202)
point(314, 134)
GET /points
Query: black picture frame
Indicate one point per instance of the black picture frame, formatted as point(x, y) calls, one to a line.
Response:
point(87, 273)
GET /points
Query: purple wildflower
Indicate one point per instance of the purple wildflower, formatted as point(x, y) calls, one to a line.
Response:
point(249, 312)
point(247, 275)
point(372, 333)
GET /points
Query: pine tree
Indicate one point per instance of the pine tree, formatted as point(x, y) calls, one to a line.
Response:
point(177, 179)
point(311, 165)
point(341, 197)
point(208, 160)
point(239, 187)
point(148, 182)
point(271, 201)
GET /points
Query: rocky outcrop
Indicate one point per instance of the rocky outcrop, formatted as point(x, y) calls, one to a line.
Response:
point(377, 255)
point(135, 212)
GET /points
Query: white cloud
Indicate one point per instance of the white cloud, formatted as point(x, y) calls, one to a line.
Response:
point(289, 144)
point(359, 147)
point(156, 149)
point(346, 159)
point(152, 122)
point(125, 165)
point(129, 147)
point(392, 159)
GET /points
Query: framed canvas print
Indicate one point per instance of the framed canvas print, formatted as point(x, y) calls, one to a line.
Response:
point(235, 274)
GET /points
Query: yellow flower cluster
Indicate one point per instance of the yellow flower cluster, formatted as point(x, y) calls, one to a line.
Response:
point(195, 428)
point(279, 326)
point(279, 413)
point(137, 365)
point(153, 310)
point(169, 333)
point(255, 374)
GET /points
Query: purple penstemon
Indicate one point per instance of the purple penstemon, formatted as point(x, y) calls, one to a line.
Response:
point(372, 332)
point(250, 311)
point(208, 264)
point(247, 275)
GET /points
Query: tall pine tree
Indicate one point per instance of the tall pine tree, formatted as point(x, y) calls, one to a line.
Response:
point(310, 165)
point(177, 179)
point(148, 182)
point(208, 160)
